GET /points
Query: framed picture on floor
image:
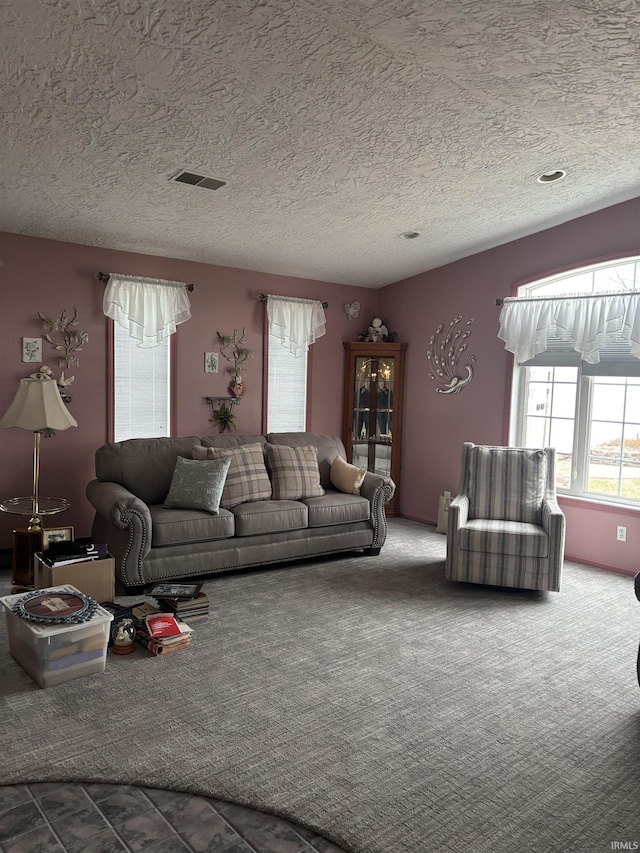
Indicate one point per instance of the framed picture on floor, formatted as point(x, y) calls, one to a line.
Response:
point(56, 534)
point(175, 590)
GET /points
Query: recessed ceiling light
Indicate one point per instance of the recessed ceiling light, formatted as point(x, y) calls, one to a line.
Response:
point(409, 235)
point(550, 177)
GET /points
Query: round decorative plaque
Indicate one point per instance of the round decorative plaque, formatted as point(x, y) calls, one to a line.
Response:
point(55, 607)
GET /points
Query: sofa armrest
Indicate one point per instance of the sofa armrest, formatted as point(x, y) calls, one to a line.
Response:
point(116, 507)
point(374, 484)
point(378, 491)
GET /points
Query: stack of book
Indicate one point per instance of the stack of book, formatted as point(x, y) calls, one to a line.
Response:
point(185, 601)
point(66, 553)
point(161, 634)
point(189, 609)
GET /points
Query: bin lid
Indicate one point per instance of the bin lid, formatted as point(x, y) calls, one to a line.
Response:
point(101, 615)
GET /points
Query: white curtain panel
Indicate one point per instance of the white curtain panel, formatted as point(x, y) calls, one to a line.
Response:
point(149, 309)
point(590, 323)
point(297, 322)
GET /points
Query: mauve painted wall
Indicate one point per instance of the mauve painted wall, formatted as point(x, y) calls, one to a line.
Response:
point(436, 425)
point(45, 275)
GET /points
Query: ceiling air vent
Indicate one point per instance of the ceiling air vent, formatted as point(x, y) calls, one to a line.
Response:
point(184, 177)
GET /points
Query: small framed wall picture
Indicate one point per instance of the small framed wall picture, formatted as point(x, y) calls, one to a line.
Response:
point(32, 349)
point(56, 534)
point(211, 362)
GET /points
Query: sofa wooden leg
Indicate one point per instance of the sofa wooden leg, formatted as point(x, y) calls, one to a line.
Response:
point(371, 552)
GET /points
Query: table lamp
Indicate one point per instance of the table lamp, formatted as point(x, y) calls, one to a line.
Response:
point(37, 407)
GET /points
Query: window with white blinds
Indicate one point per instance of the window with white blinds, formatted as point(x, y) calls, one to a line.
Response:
point(141, 388)
point(287, 388)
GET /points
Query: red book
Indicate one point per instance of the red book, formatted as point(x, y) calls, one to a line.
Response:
point(163, 625)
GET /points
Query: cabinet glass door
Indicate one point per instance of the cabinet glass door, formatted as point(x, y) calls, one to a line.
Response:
point(372, 430)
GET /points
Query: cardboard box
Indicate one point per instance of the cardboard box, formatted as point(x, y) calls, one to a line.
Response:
point(53, 654)
point(93, 577)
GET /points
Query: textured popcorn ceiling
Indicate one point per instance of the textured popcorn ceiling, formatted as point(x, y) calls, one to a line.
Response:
point(337, 124)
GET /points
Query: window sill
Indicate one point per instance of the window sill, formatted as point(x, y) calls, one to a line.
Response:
point(594, 503)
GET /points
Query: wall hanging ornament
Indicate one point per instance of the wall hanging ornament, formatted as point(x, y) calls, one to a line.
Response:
point(238, 354)
point(70, 340)
point(444, 355)
point(63, 336)
point(352, 310)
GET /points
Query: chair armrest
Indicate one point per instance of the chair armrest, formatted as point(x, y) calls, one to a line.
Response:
point(378, 491)
point(458, 513)
point(553, 519)
point(553, 522)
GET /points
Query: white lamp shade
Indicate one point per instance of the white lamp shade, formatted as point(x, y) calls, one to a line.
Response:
point(38, 406)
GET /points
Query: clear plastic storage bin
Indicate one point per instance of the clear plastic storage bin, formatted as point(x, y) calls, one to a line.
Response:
point(53, 654)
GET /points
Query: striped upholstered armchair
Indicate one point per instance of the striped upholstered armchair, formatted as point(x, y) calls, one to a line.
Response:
point(505, 527)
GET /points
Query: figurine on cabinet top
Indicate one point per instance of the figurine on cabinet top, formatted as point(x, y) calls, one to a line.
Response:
point(378, 333)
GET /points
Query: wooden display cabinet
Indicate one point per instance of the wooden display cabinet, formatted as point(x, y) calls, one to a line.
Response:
point(372, 409)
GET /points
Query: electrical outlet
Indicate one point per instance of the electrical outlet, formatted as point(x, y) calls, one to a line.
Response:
point(622, 534)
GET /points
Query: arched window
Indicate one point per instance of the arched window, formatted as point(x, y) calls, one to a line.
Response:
point(589, 412)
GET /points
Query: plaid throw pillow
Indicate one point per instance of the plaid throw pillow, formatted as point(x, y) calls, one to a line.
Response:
point(294, 472)
point(247, 479)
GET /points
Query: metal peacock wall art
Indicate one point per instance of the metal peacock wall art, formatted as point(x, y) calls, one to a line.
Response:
point(444, 354)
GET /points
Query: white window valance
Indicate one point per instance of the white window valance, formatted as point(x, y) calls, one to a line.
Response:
point(149, 309)
point(594, 326)
point(297, 322)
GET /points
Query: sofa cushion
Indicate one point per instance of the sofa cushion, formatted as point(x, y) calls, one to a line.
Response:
point(247, 478)
point(337, 508)
point(294, 472)
point(345, 477)
point(184, 526)
point(229, 441)
point(507, 483)
point(516, 538)
point(328, 447)
point(144, 466)
point(197, 485)
point(259, 517)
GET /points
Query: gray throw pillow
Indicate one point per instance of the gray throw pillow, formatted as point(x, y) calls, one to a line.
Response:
point(197, 485)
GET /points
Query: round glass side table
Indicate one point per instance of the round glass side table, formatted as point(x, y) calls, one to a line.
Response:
point(28, 540)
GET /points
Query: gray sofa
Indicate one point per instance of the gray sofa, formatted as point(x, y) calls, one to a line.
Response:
point(153, 543)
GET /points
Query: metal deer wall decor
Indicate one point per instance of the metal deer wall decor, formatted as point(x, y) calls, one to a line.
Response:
point(444, 354)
